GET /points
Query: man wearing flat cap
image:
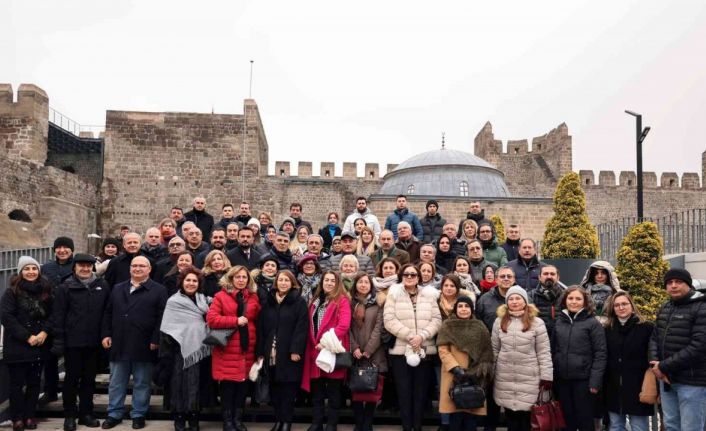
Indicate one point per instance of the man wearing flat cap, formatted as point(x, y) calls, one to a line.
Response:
point(677, 353)
point(76, 323)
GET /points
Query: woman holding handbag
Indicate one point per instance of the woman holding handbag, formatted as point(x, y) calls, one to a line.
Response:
point(412, 316)
point(365, 342)
point(329, 308)
point(627, 337)
point(282, 333)
point(236, 306)
point(579, 355)
point(523, 359)
point(466, 357)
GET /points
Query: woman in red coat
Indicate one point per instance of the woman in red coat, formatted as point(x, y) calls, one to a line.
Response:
point(235, 306)
point(330, 307)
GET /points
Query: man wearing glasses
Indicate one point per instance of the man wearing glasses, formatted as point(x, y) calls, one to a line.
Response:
point(175, 246)
point(130, 330)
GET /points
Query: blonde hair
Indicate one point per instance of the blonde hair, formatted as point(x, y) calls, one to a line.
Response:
point(475, 229)
point(349, 258)
point(370, 249)
point(207, 270)
point(226, 282)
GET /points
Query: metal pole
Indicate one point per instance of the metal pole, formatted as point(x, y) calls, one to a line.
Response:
point(638, 136)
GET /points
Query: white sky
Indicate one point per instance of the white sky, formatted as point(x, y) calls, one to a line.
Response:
point(378, 81)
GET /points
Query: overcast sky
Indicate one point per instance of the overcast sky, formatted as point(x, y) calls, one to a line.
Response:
point(378, 81)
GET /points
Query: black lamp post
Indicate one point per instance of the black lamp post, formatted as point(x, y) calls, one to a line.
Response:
point(640, 135)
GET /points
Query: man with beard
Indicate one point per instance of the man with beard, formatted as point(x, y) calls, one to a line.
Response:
point(362, 211)
point(218, 242)
point(527, 265)
point(200, 217)
point(547, 296)
point(245, 254)
point(388, 249)
point(177, 214)
point(349, 240)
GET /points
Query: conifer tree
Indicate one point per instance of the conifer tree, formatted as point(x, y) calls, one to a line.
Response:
point(569, 233)
point(499, 228)
point(641, 269)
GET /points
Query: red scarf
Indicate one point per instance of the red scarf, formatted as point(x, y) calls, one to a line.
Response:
point(487, 285)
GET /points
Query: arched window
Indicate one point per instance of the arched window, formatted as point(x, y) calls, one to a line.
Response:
point(410, 189)
point(463, 188)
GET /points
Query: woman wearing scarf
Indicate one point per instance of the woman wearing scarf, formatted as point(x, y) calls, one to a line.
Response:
point(264, 277)
point(627, 337)
point(329, 308)
point(282, 331)
point(331, 230)
point(429, 276)
point(367, 246)
point(234, 307)
point(466, 354)
point(523, 358)
point(385, 276)
point(365, 341)
point(445, 256)
point(462, 270)
point(25, 309)
point(600, 281)
point(215, 266)
point(109, 249)
point(488, 282)
point(182, 352)
point(309, 275)
point(412, 316)
point(349, 269)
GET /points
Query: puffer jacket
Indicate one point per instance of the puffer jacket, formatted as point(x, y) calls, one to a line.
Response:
point(402, 321)
point(433, 227)
point(487, 307)
point(579, 348)
point(404, 215)
point(495, 254)
point(548, 302)
point(522, 359)
point(526, 273)
point(230, 362)
point(678, 339)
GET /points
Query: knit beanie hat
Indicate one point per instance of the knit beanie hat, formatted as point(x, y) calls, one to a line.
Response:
point(64, 241)
point(24, 261)
point(516, 290)
point(678, 274)
point(254, 221)
point(111, 241)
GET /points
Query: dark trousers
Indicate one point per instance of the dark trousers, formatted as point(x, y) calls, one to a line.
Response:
point(412, 388)
point(490, 421)
point(81, 366)
point(517, 420)
point(462, 421)
point(282, 396)
point(233, 395)
point(363, 414)
point(51, 374)
point(321, 389)
point(577, 403)
point(25, 381)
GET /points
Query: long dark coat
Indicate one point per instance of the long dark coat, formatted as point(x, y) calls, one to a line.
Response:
point(627, 363)
point(289, 322)
point(23, 314)
point(77, 312)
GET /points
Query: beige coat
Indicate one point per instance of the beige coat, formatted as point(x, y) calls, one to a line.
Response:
point(522, 359)
point(452, 357)
point(367, 337)
point(401, 320)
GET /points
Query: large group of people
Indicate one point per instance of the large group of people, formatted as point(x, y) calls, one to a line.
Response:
point(431, 307)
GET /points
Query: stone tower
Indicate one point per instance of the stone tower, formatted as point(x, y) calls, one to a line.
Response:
point(24, 124)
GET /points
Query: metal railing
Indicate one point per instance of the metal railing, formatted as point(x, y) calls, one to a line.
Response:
point(72, 126)
point(9, 258)
point(682, 232)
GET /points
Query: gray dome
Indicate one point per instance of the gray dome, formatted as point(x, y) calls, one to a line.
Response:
point(445, 173)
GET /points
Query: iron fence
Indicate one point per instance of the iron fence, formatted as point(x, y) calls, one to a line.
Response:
point(72, 126)
point(682, 232)
point(8, 262)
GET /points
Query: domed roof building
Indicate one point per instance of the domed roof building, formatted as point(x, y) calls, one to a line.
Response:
point(445, 173)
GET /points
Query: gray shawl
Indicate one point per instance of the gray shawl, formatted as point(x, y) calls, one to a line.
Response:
point(184, 321)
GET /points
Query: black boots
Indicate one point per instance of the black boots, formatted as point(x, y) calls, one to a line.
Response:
point(193, 418)
point(228, 420)
point(238, 421)
point(179, 422)
point(70, 423)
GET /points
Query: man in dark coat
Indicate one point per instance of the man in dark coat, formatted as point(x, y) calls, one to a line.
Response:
point(512, 242)
point(55, 271)
point(176, 246)
point(244, 214)
point(195, 243)
point(200, 217)
point(130, 329)
point(547, 296)
point(280, 249)
point(527, 265)
point(474, 213)
point(244, 254)
point(227, 216)
point(432, 223)
point(295, 212)
point(388, 249)
point(400, 214)
point(76, 318)
point(408, 242)
point(177, 214)
point(119, 267)
point(677, 351)
point(218, 242)
point(152, 246)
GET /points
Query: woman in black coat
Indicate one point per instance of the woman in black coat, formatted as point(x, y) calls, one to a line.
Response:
point(282, 331)
point(627, 337)
point(25, 309)
point(331, 230)
point(579, 356)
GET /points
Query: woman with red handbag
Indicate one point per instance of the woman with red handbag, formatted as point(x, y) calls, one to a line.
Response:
point(523, 359)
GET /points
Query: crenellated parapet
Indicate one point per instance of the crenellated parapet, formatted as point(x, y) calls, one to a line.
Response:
point(24, 124)
point(328, 171)
point(628, 179)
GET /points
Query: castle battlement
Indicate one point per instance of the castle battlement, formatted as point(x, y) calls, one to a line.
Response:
point(24, 123)
point(668, 180)
point(328, 171)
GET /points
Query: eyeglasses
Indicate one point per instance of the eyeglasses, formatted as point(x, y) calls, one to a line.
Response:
point(621, 305)
point(410, 274)
point(505, 276)
point(175, 245)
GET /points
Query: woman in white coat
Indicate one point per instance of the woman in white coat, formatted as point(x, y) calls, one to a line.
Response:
point(523, 360)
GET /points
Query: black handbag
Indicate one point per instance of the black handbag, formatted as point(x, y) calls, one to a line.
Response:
point(262, 387)
point(467, 395)
point(363, 379)
point(218, 337)
point(344, 360)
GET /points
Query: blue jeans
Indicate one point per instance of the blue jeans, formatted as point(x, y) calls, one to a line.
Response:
point(117, 389)
point(637, 423)
point(684, 407)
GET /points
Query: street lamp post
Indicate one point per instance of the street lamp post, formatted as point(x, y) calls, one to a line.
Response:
point(640, 135)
